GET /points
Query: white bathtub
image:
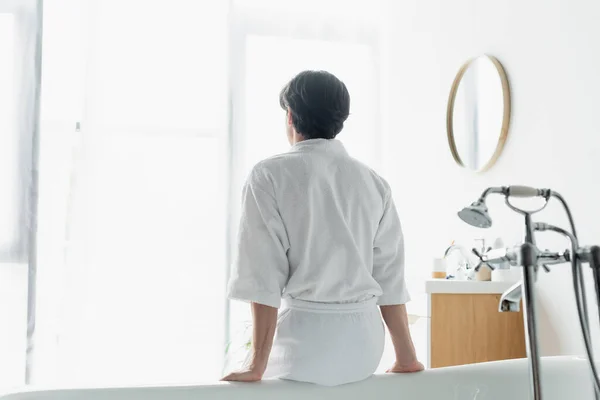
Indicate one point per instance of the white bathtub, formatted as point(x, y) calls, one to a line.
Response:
point(564, 378)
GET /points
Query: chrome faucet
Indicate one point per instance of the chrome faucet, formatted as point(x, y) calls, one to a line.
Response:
point(511, 299)
point(532, 259)
point(464, 253)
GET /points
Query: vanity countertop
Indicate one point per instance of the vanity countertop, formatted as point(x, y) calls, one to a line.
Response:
point(433, 286)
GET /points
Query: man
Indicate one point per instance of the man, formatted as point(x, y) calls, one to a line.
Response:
point(320, 230)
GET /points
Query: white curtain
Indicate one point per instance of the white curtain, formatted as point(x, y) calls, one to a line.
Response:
point(19, 86)
point(133, 192)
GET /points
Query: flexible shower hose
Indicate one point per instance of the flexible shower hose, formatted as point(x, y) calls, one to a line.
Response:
point(580, 295)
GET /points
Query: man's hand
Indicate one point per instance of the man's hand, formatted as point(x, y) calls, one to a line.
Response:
point(248, 375)
point(264, 324)
point(396, 319)
point(398, 368)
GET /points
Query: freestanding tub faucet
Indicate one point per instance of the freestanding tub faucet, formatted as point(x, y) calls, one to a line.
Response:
point(528, 256)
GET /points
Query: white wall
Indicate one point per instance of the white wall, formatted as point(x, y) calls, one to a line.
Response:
point(551, 52)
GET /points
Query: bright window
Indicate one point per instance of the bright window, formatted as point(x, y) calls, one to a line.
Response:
point(134, 190)
point(158, 65)
point(153, 112)
point(151, 290)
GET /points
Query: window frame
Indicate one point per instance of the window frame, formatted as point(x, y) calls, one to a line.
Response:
point(28, 25)
point(17, 252)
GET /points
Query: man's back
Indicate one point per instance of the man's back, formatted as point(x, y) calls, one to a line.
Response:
point(319, 226)
point(331, 206)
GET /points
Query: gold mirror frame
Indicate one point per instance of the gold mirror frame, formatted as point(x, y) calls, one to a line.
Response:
point(505, 118)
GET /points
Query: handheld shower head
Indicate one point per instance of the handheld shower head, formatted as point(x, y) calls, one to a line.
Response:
point(476, 215)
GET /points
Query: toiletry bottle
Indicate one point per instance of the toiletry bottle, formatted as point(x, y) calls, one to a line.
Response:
point(439, 268)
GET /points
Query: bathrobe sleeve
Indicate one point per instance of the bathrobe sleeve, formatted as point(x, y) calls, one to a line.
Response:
point(260, 268)
point(388, 257)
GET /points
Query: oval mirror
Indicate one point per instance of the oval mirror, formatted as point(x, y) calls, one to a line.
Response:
point(478, 113)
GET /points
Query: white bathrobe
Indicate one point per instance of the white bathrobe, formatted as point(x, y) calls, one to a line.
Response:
point(320, 231)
